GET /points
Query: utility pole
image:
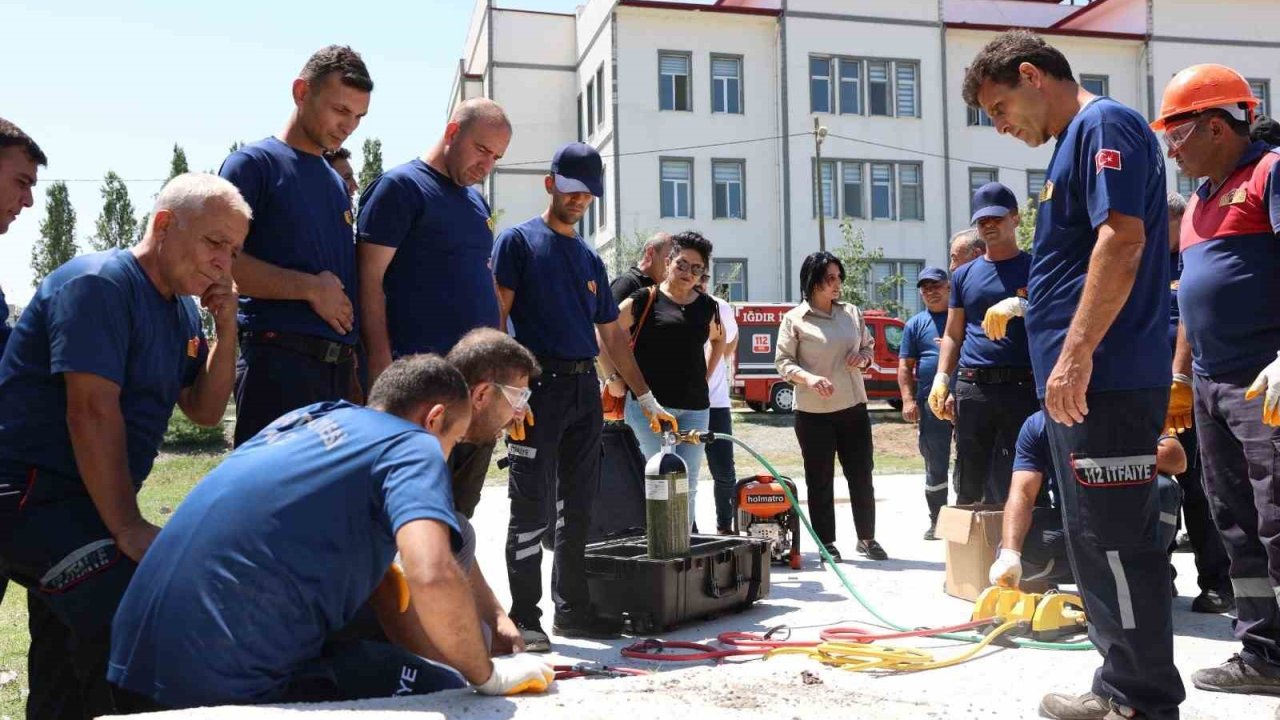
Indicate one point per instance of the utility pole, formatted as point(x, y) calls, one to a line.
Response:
point(818, 134)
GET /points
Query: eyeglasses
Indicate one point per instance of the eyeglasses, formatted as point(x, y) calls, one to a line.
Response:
point(1177, 136)
point(683, 266)
point(517, 397)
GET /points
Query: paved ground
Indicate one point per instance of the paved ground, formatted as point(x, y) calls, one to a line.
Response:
point(1003, 683)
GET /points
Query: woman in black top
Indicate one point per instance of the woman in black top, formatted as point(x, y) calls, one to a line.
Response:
point(669, 350)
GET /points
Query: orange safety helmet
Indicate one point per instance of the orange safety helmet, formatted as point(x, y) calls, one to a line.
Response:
point(1201, 87)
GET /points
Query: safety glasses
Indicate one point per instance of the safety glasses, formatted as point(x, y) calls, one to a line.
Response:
point(1175, 137)
point(517, 397)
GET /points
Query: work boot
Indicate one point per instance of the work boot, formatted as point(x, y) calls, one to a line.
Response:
point(535, 640)
point(932, 532)
point(1088, 706)
point(586, 624)
point(1213, 602)
point(1237, 676)
point(872, 549)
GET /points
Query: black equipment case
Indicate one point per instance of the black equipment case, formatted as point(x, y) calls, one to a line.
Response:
point(618, 508)
point(720, 575)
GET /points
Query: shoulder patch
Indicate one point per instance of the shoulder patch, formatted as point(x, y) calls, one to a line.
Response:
point(1107, 159)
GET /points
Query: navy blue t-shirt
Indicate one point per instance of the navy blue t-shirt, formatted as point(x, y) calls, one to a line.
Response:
point(1229, 292)
point(921, 339)
point(301, 221)
point(1032, 455)
point(1106, 160)
point(562, 290)
point(4, 322)
point(438, 286)
point(975, 287)
point(272, 552)
point(97, 314)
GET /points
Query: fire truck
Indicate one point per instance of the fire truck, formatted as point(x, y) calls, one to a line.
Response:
point(756, 379)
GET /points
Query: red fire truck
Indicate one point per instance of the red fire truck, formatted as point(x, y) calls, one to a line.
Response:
point(756, 379)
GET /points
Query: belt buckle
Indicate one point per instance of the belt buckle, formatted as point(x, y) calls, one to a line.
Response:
point(332, 352)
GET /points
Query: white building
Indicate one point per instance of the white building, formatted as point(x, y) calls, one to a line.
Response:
point(704, 112)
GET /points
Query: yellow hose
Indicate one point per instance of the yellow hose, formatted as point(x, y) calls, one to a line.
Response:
point(858, 657)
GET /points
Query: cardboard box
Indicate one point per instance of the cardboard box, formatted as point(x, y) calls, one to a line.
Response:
point(972, 536)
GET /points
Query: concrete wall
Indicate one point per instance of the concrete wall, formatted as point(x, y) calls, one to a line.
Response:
point(920, 10)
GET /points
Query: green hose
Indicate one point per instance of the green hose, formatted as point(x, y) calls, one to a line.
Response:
point(965, 637)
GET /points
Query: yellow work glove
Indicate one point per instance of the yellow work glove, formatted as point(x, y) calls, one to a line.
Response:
point(1179, 416)
point(394, 585)
point(518, 430)
point(656, 414)
point(515, 674)
point(1268, 381)
point(996, 322)
point(938, 396)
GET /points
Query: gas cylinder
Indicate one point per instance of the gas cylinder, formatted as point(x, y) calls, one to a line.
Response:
point(666, 502)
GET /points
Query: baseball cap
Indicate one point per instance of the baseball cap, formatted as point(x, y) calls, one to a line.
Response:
point(931, 274)
point(993, 200)
point(577, 168)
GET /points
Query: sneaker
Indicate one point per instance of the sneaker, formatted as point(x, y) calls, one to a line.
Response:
point(535, 640)
point(1213, 602)
point(1237, 676)
point(872, 549)
point(586, 624)
point(1088, 706)
point(931, 533)
point(833, 551)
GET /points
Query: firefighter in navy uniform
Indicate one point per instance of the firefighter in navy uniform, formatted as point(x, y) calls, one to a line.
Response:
point(1097, 324)
point(554, 288)
point(1229, 302)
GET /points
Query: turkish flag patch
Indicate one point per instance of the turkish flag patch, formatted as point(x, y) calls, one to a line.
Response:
point(1106, 160)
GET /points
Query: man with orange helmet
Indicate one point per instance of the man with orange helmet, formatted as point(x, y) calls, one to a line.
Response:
point(1229, 304)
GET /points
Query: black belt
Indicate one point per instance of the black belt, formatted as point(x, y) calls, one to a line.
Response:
point(313, 347)
point(995, 375)
point(555, 366)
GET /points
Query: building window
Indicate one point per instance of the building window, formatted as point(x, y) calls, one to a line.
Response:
point(829, 208)
point(878, 90)
point(1188, 185)
point(1035, 185)
point(1096, 84)
point(581, 137)
point(591, 219)
point(604, 187)
point(907, 89)
point(979, 177)
point(727, 178)
point(890, 286)
point(729, 279)
point(979, 118)
point(911, 192)
point(850, 87)
point(820, 84)
point(851, 176)
point(726, 84)
point(677, 188)
point(600, 95)
point(882, 191)
point(673, 81)
point(591, 107)
point(1262, 90)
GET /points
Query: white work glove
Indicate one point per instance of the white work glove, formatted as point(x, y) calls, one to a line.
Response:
point(1006, 571)
point(996, 322)
point(1269, 381)
point(515, 674)
point(938, 396)
point(655, 413)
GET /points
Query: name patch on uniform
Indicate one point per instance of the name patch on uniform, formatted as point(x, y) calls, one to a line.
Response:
point(1046, 192)
point(1235, 197)
point(1106, 160)
point(1120, 471)
point(522, 451)
point(79, 564)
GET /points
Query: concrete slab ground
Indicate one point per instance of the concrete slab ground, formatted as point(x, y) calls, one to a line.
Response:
point(1001, 683)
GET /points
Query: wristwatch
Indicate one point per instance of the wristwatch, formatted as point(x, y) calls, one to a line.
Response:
point(611, 378)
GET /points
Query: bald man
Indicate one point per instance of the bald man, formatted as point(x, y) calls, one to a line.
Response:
point(425, 235)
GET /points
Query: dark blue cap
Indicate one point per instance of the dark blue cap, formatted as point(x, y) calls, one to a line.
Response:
point(993, 200)
point(931, 274)
point(577, 168)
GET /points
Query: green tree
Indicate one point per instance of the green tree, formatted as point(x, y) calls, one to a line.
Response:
point(116, 223)
point(859, 262)
point(57, 242)
point(626, 250)
point(235, 146)
point(1027, 224)
point(178, 164)
point(371, 168)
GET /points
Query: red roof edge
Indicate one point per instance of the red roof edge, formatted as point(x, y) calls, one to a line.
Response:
point(1069, 32)
point(1077, 14)
point(661, 5)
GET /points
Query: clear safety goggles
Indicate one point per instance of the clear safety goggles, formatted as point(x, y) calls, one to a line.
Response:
point(1177, 136)
point(517, 397)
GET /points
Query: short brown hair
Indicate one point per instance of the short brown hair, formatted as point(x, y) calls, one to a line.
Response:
point(11, 135)
point(999, 62)
point(338, 59)
point(416, 380)
point(489, 355)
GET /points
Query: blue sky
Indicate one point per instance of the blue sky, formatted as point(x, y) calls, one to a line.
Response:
point(112, 86)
